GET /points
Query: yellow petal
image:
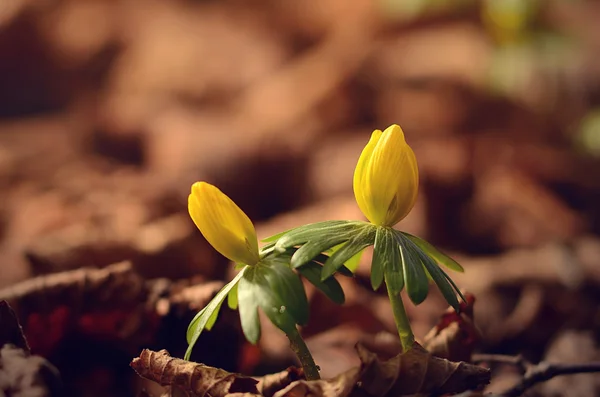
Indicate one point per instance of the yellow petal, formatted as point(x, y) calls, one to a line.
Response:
point(361, 189)
point(386, 178)
point(224, 225)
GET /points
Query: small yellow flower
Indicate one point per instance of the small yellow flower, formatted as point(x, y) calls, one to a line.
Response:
point(224, 225)
point(386, 178)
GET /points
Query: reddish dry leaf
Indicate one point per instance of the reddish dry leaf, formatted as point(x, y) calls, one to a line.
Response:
point(455, 335)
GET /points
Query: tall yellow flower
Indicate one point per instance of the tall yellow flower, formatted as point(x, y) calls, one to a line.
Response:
point(224, 225)
point(386, 183)
point(386, 178)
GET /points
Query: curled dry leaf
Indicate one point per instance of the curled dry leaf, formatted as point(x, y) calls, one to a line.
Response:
point(454, 337)
point(268, 385)
point(189, 378)
point(339, 386)
point(417, 372)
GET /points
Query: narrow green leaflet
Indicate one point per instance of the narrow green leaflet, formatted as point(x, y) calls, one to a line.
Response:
point(362, 238)
point(208, 315)
point(380, 259)
point(436, 254)
point(248, 308)
point(318, 231)
point(330, 287)
point(232, 298)
point(343, 270)
point(275, 237)
point(353, 263)
point(438, 276)
point(415, 278)
point(454, 286)
point(394, 274)
point(313, 248)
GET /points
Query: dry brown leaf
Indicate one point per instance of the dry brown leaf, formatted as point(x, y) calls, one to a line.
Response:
point(189, 378)
point(455, 335)
point(270, 384)
point(417, 372)
point(414, 372)
point(340, 386)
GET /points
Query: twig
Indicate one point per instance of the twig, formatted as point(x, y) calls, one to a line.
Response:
point(517, 361)
point(535, 373)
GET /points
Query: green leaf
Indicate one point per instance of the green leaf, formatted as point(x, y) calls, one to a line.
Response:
point(390, 250)
point(380, 258)
point(417, 284)
point(208, 315)
point(264, 286)
point(343, 270)
point(276, 237)
point(289, 288)
point(313, 248)
point(330, 230)
point(330, 287)
point(248, 308)
point(363, 237)
point(436, 254)
point(232, 298)
point(439, 277)
point(353, 263)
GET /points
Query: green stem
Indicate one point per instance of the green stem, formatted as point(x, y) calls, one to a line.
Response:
point(407, 339)
point(311, 371)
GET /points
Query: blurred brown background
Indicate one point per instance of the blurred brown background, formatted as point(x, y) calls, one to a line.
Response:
point(110, 109)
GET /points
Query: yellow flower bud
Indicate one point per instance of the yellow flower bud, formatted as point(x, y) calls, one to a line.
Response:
point(224, 225)
point(386, 178)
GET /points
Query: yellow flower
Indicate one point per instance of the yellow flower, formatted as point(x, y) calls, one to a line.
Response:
point(223, 224)
point(386, 178)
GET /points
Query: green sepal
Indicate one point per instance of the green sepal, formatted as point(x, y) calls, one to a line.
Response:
point(330, 287)
point(328, 230)
point(436, 254)
point(415, 278)
point(440, 278)
point(206, 318)
point(390, 250)
point(362, 238)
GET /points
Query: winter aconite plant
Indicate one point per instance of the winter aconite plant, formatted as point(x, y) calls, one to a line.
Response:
point(265, 279)
point(386, 183)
